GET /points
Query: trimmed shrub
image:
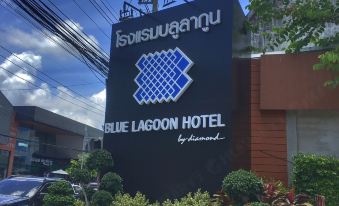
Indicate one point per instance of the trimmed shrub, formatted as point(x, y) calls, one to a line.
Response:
point(257, 204)
point(127, 200)
point(59, 194)
point(89, 192)
point(197, 199)
point(82, 176)
point(79, 203)
point(111, 182)
point(101, 198)
point(316, 174)
point(243, 186)
point(100, 161)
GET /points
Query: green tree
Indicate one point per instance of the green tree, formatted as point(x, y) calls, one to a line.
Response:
point(303, 24)
point(80, 163)
point(101, 198)
point(101, 161)
point(80, 174)
point(83, 177)
point(111, 182)
point(59, 194)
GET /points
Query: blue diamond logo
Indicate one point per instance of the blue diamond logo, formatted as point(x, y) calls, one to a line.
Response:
point(170, 76)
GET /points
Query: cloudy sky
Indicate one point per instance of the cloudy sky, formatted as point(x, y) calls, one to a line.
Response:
point(65, 85)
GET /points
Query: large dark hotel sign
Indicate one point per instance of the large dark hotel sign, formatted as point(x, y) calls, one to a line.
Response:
point(168, 114)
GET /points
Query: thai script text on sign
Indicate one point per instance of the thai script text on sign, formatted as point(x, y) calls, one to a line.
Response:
point(203, 22)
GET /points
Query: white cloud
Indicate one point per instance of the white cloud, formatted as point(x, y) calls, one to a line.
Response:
point(57, 101)
point(33, 40)
point(18, 78)
point(38, 42)
point(13, 60)
point(100, 98)
point(14, 77)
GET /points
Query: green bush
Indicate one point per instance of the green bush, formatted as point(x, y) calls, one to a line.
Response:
point(257, 204)
point(197, 199)
point(79, 203)
point(101, 198)
point(315, 174)
point(101, 161)
point(111, 182)
point(59, 194)
point(89, 192)
point(82, 176)
point(127, 200)
point(243, 186)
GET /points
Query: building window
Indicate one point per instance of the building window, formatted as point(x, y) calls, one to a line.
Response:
point(26, 145)
point(4, 159)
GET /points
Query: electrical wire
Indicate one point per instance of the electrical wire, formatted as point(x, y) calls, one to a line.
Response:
point(100, 114)
point(101, 12)
point(100, 29)
point(46, 75)
point(79, 29)
point(48, 19)
point(103, 3)
point(70, 85)
point(55, 87)
point(116, 13)
point(61, 44)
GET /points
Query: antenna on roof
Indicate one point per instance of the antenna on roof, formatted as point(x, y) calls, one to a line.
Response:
point(154, 4)
point(128, 11)
point(168, 2)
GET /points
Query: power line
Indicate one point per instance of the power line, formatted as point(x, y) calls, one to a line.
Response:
point(82, 84)
point(102, 2)
point(77, 28)
point(16, 12)
point(48, 19)
point(78, 32)
point(51, 85)
point(26, 114)
point(48, 91)
point(116, 13)
point(76, 3)
point(45, 74)
point(92, 70)
point(6, 90)
point(62, 45)
point(101, 12)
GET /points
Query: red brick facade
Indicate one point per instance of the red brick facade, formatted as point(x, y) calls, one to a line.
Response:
point(268, 147)
point(10, 147)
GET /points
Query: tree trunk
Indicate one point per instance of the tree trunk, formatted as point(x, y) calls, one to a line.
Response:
point(85, 195)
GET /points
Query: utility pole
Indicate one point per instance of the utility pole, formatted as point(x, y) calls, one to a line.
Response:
point(155, 5)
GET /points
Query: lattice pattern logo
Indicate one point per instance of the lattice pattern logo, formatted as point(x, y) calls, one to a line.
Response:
point(163, 76)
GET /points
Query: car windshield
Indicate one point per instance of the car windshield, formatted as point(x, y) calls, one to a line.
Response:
point(23, 187)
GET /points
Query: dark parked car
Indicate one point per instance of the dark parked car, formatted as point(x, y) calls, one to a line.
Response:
point(24, 191)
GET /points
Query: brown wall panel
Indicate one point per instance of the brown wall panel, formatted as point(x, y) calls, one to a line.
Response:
point(268, 134)
point(268, 127)
point(240, 154)
point(288, 82)
point(276, 155)
point(274, 167)
point(261, 140)
point(270, 147)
